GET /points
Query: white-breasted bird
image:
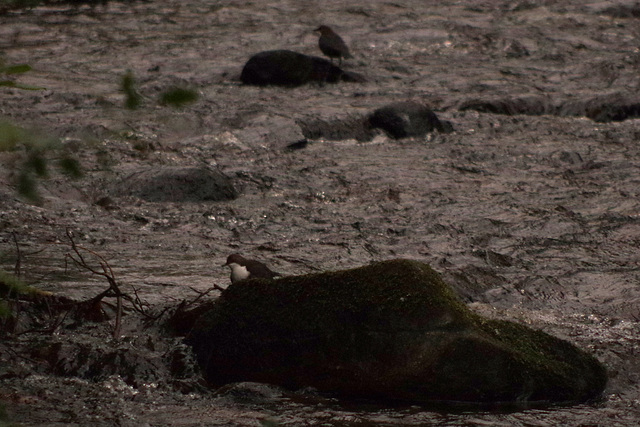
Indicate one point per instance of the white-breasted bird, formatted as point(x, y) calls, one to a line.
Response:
point(242, 268)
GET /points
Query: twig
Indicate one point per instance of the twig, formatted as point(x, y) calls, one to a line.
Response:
point(138, 305)
point(137, 302)
point(202, 294)
point(16, 354)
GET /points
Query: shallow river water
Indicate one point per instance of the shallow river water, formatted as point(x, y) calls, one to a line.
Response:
point(532, 218)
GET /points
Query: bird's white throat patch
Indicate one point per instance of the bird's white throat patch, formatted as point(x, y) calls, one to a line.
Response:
point(238, 272)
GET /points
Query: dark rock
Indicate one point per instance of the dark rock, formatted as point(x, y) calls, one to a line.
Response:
point(602, 108)
point(622, 10)
point(288, 68)
point(352, 77)
point(391, 330)
point(407, 119)
point(447, 126)
point(298, 145)
point(614, 107)
point(515, 49)
point(183, 319)
point(107, 203)
point(179, 184)
point(529, 105)
point(571, 157)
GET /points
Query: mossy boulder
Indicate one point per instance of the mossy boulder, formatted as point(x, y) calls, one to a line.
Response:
point(391, 330)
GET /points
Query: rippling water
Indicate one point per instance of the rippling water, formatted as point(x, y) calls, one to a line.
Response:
point(532, 218)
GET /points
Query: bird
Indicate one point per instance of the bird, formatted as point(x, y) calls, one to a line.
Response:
point(242, 268)
point(332, 44)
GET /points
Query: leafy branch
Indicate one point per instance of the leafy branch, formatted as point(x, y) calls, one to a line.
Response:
point(175, 96)
point(37, 153)
point(12, 70)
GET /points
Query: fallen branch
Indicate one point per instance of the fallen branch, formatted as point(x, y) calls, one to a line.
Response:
point(93, 309)
point(106, 272)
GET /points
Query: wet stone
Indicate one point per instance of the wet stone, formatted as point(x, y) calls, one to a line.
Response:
point(407, 119)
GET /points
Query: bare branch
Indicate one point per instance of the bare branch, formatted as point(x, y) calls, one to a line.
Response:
point(107, 273)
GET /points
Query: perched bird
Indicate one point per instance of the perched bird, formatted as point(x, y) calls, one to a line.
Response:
point(332, 44)
point(242, 268)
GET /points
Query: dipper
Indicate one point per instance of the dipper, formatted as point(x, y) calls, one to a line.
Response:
point(331, 44)
point(242, 268)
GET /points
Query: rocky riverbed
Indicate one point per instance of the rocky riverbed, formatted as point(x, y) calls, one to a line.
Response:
point(532, 216)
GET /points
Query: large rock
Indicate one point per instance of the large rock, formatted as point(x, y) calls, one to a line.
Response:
point(288, 68)
point(391, 330)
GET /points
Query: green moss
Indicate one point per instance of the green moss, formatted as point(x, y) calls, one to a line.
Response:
point(37, 163)
point(5, 311)
point(70, 167)
point(128, 86)
point(300, 306)
point(178, 97)
point(18, 4)
point(27, 186)
point(35, 150)
point(11, 286)
point(552, 359)
point(8, 72)
point(10, 135)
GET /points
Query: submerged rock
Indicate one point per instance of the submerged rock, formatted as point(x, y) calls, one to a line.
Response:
point(288, 68)
point(391, 330)
point(337, 128)
point(407, 119)
point(179, 184)
point(529, 105)
point(615, 107)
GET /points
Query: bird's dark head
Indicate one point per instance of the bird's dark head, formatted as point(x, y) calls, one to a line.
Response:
point(236, 259)
point(323, 29)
